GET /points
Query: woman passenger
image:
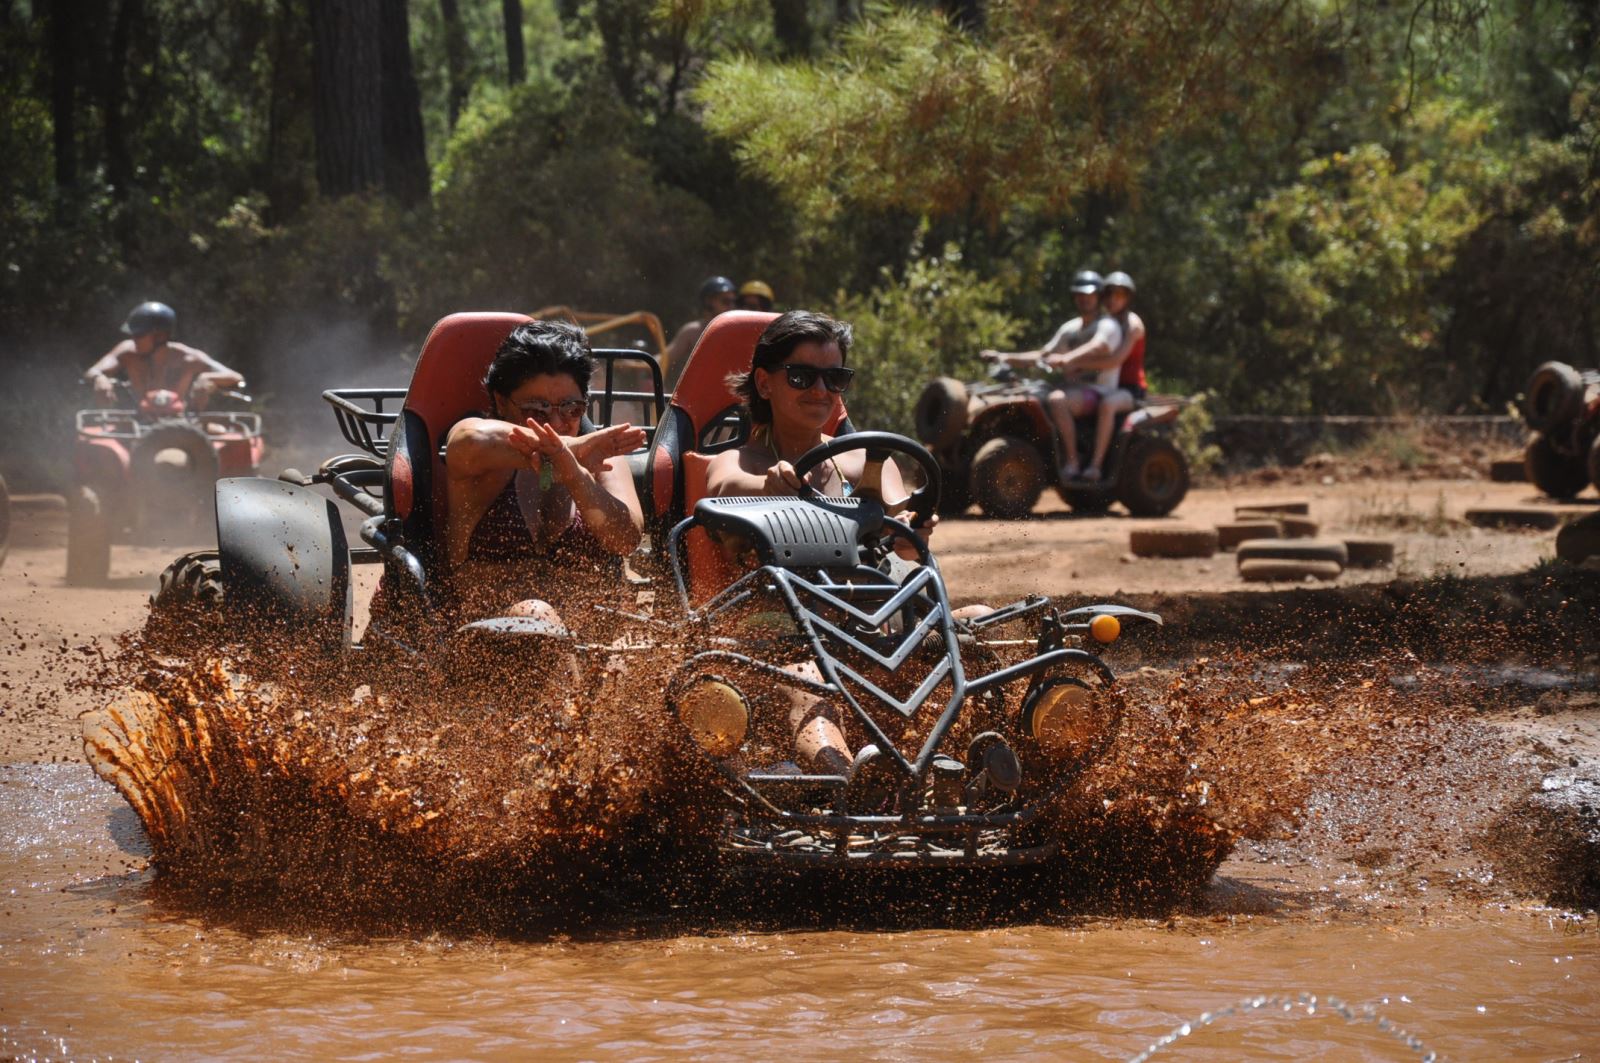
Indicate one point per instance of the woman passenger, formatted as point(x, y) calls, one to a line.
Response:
point(536, 510)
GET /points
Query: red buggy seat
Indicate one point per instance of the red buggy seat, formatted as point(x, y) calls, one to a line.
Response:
point(705, 417)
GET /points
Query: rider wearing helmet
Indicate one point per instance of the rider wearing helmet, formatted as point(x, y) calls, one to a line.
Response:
point(1087, 344)
point(756, 295)
point(717, 296)
point(150, 361)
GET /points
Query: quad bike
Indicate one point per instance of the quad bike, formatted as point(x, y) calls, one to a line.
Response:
point(997, 446)
point(1562, 407)
point(147, 472)
point(975, 736)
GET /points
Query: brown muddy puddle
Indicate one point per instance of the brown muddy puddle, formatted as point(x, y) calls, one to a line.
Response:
point(98, 961)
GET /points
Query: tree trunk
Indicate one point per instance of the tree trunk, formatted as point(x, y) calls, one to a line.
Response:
point(455, 58)
point(789, 26)
point(405, 156)
point(347, 86)
point(516, 57)
point(968, 14)
point(114, 101)
point(64, 90)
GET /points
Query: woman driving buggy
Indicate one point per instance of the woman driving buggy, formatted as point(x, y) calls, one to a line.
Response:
point(794, 391)
point(536, 509)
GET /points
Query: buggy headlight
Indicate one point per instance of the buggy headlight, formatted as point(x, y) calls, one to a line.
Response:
point(1105, 628)
point(716, 714)
point(1065, 720)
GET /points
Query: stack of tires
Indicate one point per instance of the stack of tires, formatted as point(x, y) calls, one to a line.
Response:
point(1562, 407)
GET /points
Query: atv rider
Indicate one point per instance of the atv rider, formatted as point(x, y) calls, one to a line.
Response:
point(1089, 342)
point(717, 296)
point(1117, 297)
point(530, 500)
point(150, 361)
point(756, 295)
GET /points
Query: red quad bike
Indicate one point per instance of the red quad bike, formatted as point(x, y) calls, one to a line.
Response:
point(977, 735)
point(1562, 406)
point(146, 474)
point(997, 446)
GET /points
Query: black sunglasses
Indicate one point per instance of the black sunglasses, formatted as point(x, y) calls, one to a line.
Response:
point(540, 410)
point(804, 377)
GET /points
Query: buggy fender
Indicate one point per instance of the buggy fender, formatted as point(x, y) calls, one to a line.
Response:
point(284, 555)
point(1123, 613)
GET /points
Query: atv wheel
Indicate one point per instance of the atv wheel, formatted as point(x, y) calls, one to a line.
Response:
point(88, 538)
point(1554, 397)
point(174, 468)
point(941, 413)
point(1007, 477)
point(1294, 550)
point(1556, 474)
point(193, 581)
point(5, 519)
point(1152, 477)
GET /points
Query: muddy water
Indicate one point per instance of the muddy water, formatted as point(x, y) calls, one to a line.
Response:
point(96, 963)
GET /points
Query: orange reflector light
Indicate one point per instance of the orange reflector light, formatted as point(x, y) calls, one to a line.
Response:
point(716, 714)
point(1105, 628)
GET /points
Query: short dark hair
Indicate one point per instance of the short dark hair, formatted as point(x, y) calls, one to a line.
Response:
point(787, 332)
point(537, 348)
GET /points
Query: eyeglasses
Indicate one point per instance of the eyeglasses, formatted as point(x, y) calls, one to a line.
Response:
point(540, 410)
point(804, 377)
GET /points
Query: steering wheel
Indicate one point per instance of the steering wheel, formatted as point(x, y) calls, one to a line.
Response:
point(918, 507)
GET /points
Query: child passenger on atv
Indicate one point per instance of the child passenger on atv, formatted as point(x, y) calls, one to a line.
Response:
point(536, 510)
point(794, 389)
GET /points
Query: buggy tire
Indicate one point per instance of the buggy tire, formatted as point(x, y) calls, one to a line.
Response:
point(1152, 476)
point(940, 414)
point(5, 519)
point(1264, 569)
point(1369, 553)
point(1272, 510)
point(1007, 477)
point(1554, 397)
point(1509, 471)
point(193, 581)
point(88, 538)
point(1515, 517)
point(1173, 542)
point(1580, 539)
point(1328, 550)
point(1556, 474)
point(1232, 534)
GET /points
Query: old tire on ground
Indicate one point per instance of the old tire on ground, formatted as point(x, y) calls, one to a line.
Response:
point(1265, 569)
point(1579, 539)
point(1369, 553)
point(1232, 534)
point(941, 413)
point(1299, 527)
point(1556, 474)
point(1007, 477)
point(88, 538)
point(1514, 517)
point(1274, 509)
point(1508, 471)
point(5, 519)
point(1152, 476)
point(192, 582)
point(1329, 550)
point(1173, 542)
point(1554, 397)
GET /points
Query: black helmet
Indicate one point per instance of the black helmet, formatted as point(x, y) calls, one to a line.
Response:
point(150, 317)
point(1120, 279)
point(1087, 282)
point(715, 286)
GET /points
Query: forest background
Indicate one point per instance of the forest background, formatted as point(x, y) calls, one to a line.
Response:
point(1330, 206)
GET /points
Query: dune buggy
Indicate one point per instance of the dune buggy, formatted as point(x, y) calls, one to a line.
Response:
point(769, 598)
point(1562, 407)
point(997, 446)
point(146, 473)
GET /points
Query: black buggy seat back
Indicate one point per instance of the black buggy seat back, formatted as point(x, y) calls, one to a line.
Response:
point(446, 385)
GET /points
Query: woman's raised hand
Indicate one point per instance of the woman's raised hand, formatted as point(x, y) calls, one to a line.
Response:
point(595, 450)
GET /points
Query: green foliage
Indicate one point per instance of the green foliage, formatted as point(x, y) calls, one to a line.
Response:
point(1192, 435)
point(909, 329)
